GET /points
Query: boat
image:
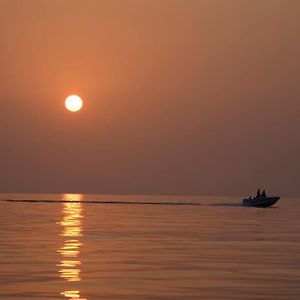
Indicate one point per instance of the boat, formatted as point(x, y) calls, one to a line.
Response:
point(260, 201)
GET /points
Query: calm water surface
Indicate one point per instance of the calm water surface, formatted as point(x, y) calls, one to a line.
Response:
point(82, 250)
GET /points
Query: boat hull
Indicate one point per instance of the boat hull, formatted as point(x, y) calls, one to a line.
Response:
point(261, 201)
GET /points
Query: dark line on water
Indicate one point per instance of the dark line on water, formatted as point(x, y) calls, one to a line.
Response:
point(100, 202)
point(226, 204)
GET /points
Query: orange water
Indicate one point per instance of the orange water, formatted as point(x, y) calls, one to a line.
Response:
point(215, 250)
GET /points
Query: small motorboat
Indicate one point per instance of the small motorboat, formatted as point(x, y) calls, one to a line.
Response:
point(260, 201)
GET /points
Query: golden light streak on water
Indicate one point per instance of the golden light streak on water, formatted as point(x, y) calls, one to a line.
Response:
point(70, 248)
point(72, 295)
point(69, 263)
point(70, 251)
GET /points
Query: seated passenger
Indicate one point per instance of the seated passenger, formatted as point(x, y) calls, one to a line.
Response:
point(264, 194)
point(258, 195)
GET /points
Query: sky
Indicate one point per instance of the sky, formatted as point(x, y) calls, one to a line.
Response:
point(182, 97)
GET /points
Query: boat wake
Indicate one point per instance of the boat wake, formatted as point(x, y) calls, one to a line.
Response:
point(226, 204)
point(123, 202)
point(100, 202)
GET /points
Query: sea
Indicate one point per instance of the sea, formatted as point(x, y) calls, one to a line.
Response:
point(123, 247)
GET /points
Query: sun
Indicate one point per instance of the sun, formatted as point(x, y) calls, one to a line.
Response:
point(73, 103)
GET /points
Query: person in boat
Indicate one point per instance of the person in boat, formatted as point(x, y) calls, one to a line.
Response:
point(264, 194)
point(258, 194)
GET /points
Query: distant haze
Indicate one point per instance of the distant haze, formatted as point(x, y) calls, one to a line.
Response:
point(181, 97)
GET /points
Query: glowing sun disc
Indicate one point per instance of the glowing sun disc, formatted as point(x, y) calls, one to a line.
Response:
point(73, 103)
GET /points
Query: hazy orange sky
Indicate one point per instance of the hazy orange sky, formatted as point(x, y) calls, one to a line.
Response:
point(181, 97)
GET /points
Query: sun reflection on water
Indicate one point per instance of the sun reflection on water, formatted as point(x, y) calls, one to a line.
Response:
point(72, 295)
point(69, 266)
